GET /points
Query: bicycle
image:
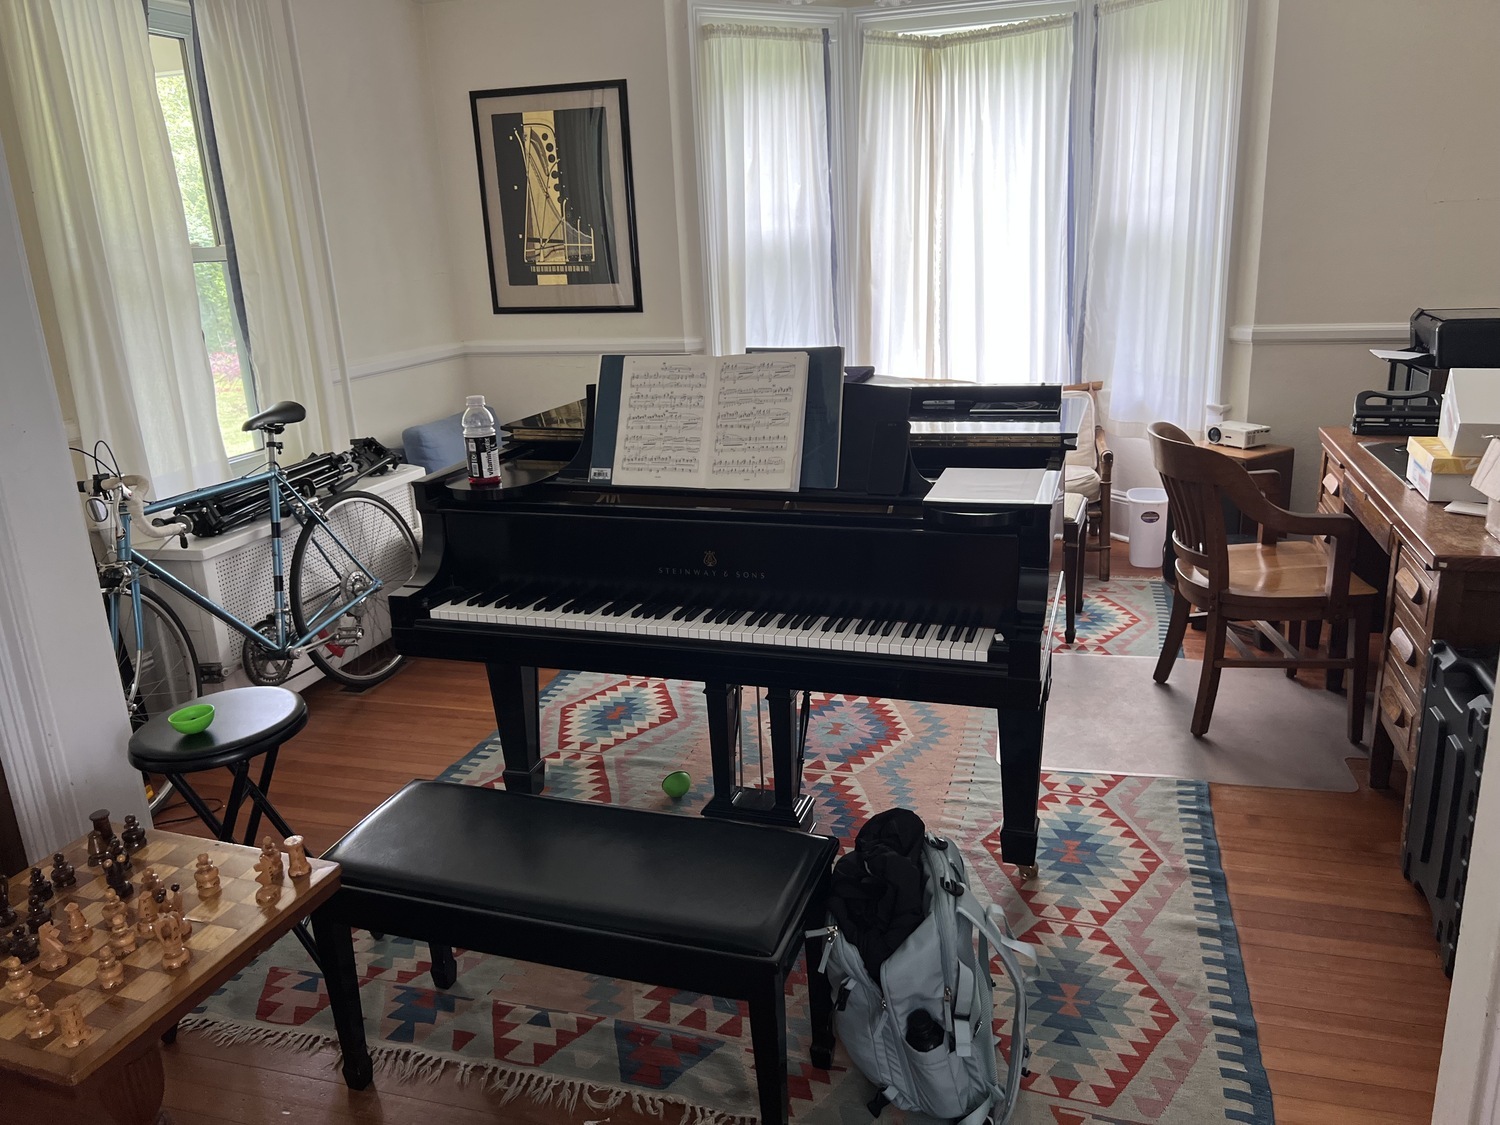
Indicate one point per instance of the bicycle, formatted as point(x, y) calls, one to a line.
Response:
point(353, 550)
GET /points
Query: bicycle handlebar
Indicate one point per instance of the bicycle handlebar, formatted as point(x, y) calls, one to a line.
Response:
point(134, 488)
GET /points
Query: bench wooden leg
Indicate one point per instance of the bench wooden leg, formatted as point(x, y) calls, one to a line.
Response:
point(335, 943)
point(444, 967)
point(768, 1041)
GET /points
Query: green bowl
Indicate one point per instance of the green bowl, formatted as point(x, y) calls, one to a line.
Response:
point(190, 720)
point(676, 784)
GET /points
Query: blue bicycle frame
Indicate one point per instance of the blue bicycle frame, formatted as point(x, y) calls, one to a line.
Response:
point(283, 642)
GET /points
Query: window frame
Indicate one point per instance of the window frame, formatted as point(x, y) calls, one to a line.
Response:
point(845, 28)
point(174, 19)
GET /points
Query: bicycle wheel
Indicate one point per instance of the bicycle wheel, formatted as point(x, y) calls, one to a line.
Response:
point(165, 672)
point(356, 647)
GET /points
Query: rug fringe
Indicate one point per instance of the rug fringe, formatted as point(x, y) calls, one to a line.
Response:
point(412, 1064)
point(225, 1033)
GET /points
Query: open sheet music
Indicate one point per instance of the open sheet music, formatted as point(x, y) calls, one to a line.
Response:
point(730, 422)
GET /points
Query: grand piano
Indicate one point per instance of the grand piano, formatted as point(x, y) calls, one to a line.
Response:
point(819, 590)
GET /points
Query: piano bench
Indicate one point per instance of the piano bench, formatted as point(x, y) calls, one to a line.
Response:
point(708, 906)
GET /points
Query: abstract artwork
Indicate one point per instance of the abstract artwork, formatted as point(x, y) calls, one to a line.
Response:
point(559, 209)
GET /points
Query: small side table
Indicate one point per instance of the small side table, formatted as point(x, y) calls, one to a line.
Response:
point(116, 1075)
point(1278, 457)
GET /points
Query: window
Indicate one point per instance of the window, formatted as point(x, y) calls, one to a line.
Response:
point(963, 226)
point(179, 89)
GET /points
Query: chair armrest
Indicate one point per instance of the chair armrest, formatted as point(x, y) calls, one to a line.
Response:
point(1104, 456)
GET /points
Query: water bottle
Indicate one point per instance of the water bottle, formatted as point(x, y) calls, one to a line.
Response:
point(923, 1032)
point(480, 442)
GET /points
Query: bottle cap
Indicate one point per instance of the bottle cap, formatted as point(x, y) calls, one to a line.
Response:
point(474, 400)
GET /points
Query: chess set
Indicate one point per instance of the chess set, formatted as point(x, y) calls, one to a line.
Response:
point(124, 933)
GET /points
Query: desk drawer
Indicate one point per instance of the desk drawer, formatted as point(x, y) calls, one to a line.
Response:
point(1406, 651)
point(1362, 508)
point(1414, 585)
point(1397, 710)
point(1331, 484)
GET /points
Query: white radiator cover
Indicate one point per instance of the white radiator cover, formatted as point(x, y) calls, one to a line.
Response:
point(234, 570)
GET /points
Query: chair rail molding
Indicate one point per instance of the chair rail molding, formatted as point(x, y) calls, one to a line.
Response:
point(532, 348)
point(1374, 333)
point(574, 345)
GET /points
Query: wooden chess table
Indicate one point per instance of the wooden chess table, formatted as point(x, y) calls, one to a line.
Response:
point(115, 1077)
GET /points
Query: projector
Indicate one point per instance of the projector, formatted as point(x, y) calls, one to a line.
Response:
point(1238, 435)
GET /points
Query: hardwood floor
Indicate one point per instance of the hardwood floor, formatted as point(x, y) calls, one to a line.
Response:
point(1344, 975)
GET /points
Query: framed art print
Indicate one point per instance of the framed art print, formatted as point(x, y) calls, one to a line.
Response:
point(559, 208)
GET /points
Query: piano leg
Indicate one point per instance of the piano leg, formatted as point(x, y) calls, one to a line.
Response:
point(1020, 784)
point(784, 805)
point(513, 691)
point(723, 717)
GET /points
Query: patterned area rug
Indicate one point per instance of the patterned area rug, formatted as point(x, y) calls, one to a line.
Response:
point(1121, 617)
point(1140, 1007)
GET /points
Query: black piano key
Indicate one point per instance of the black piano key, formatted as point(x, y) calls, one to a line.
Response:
point(972, 634)
point(910, 626)
point(842, 626)
point(888, 628)
point(923, 630)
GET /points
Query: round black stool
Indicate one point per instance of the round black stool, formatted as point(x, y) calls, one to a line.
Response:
point(248, 722)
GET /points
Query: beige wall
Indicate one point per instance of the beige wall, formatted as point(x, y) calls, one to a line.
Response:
point(1381, 194)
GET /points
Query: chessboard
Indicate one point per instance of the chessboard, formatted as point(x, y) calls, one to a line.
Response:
point(228, 930)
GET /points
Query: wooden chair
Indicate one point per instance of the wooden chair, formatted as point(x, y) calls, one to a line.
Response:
point(1087, 471)
point(1269, 581)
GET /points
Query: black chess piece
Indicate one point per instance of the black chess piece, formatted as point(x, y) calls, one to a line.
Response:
point(7, 915)
point(24, 947)
point(63, 874)
point(133, 836)
point(38, 915)
point(41, 886)
point(115, 876)
point(122, 858)
point(100, 838)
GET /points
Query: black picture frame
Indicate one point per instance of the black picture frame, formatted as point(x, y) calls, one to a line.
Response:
point(558, 197)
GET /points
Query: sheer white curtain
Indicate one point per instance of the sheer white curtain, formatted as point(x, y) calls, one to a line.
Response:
point(114, 238)
point(1166, 102)
point(764, 127)
point(268, 184)
point(963, 189)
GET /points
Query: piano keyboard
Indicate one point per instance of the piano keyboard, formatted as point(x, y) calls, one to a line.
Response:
point(945, 637)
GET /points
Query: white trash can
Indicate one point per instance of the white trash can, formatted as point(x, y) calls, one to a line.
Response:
point(1148, 525)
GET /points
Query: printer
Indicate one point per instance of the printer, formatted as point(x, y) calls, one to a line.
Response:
point(1446, 338)
point(1441, 339)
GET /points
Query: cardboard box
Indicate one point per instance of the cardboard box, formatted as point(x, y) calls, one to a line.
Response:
point(1436, 457)
point(1471, 410)
point(1441, 488)
point(1487, 481)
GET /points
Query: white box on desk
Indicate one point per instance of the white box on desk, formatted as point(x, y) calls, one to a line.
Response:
point(1441, 488)
point(1470, 415)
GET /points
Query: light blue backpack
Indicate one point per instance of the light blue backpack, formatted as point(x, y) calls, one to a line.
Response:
point(924, 1033)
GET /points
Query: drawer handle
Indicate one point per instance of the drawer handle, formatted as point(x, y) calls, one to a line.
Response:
point(1394, 711)
point(1410, 587)
point(1331, 484)
point(1404, 647)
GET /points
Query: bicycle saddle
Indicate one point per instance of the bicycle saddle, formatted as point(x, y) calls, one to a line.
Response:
point(274, 419)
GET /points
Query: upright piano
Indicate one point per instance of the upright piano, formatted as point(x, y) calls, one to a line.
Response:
point(867, 589)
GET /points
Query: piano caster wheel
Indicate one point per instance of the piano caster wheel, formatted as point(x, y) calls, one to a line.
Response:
point(1027, 871)
point(822, 1057)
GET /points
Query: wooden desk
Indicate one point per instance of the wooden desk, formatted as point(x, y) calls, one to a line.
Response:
point(116, 1075)
point(1442, 583)
point(1278, 457)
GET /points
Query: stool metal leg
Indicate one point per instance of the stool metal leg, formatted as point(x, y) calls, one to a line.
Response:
point(241, 772)
point(265, 784)
point(195, 802)
point(262, 804)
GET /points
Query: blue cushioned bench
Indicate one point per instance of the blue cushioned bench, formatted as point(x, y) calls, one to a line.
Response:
point(707, 906)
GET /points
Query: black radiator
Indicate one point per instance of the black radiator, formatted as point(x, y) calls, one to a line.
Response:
point(1456, 704)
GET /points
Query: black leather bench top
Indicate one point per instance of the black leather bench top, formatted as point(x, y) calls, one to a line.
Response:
point(247, 721)
point(709, 884)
